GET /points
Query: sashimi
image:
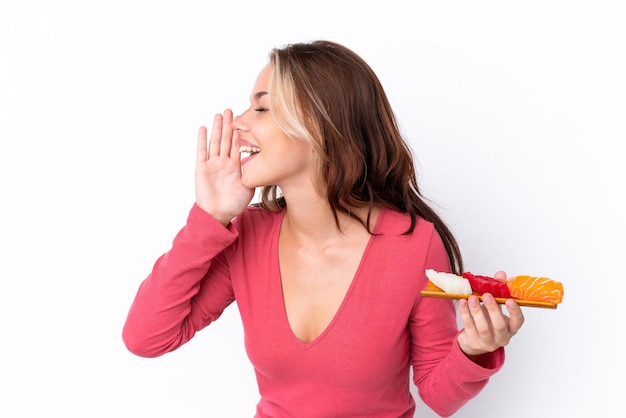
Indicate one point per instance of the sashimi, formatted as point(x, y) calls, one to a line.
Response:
point(541, 289)
point(449, 282)
point(485, 284)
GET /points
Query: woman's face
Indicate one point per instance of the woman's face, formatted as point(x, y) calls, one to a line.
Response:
point(269, 155)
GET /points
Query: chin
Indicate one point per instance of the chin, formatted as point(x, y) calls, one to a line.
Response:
point(250, 184)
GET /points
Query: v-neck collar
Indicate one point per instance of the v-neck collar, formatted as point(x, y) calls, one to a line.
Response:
point(346, 299)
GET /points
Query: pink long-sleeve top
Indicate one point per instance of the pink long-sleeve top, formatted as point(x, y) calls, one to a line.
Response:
point(360, 364)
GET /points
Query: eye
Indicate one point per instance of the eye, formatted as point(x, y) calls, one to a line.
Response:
point(261, 109)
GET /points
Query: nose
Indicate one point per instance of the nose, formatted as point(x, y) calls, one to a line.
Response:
point(239, 122)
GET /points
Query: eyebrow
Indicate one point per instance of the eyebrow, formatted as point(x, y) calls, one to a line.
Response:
point(258, 95)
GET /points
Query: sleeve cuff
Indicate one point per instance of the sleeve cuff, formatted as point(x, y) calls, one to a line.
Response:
point(492, 363)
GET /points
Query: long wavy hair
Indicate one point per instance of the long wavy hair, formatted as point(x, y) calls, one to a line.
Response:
point(325, 94)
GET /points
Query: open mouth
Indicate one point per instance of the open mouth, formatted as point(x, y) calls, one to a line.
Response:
point(247, 151)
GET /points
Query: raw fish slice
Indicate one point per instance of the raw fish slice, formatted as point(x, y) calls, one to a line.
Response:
point(536, 288)
point(485, 284)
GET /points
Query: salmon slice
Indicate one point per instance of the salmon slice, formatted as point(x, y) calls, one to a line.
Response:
point(541, 289)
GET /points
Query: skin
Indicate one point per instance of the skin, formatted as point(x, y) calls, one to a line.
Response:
point(309, 237)
point(218, 187)
point(485, 327)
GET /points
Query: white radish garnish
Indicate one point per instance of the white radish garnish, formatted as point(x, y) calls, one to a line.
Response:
point(449, 282)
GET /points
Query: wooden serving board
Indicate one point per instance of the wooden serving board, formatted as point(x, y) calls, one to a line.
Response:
point(433, 291)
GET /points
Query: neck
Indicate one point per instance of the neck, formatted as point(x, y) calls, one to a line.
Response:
point(310, 219)
point(313, 220)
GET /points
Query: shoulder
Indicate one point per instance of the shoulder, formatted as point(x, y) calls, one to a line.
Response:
point(423, 247)
point(257, 212)
point(257, 218)
point(402, 258)
point(391, 235)
point(394, 223)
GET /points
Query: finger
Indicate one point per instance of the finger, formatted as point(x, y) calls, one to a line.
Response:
point(216, 135)
point(234, 148)
point(201, 151)
point(466, 317)
point(481, 319)
point(500, 275)
point(516, 314)
point(497, 320)
point(227, 133)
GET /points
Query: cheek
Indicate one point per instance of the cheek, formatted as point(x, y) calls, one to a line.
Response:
point(302, 158)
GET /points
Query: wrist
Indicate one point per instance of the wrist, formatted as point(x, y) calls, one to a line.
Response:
point(224, 219)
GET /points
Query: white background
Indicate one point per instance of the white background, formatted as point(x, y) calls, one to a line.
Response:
point(515, 111)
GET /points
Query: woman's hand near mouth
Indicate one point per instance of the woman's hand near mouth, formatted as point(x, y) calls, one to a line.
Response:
point(218, 186)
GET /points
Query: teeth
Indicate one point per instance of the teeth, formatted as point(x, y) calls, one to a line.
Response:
point(245, 148)
point(246, 151)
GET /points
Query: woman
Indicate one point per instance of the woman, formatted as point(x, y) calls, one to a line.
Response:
point(327, 269)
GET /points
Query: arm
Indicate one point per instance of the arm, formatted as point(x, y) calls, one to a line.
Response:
point(446, 378)
point(188, 288)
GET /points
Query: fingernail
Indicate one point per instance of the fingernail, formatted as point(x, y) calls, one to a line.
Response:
point(473, 301)
point(487, 298)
